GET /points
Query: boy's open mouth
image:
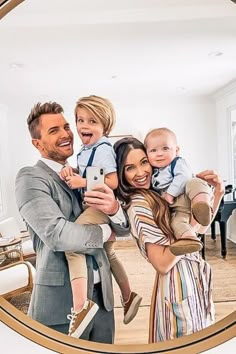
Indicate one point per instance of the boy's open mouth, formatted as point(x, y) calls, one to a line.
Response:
point(86, 138)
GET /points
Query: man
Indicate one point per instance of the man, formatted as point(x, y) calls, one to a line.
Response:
point(49, 208)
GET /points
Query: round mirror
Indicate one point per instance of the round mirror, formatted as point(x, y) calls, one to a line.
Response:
point(161, 63)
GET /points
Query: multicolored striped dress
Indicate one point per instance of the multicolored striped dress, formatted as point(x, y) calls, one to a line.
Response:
point(182, 298)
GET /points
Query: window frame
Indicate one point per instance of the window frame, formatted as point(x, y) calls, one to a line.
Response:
point(232, 144)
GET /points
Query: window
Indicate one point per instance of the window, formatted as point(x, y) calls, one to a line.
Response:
point(3, 141)
point(234, 151)
point(233, 145)
point(1, 205)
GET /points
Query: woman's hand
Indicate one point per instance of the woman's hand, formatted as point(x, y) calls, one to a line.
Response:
point(214, 179)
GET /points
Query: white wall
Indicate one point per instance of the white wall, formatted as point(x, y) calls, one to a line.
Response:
point(16, 150)
point(5, 169)
point(225, 101)
point(193, 121)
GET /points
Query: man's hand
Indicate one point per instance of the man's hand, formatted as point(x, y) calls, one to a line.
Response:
point(102, 198)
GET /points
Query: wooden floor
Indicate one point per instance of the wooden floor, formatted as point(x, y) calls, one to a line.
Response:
point(141, 276)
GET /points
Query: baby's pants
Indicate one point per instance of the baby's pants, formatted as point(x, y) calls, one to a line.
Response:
point(181, 209)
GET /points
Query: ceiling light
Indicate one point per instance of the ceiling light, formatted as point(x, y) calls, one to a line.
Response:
point(16, 66)
point(181, 88)
point(215, 54)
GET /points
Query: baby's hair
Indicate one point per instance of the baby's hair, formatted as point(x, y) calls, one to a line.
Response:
point(101, 108)
point(160, 131)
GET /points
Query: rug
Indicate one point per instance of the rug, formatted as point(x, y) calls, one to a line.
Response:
point(224, 274)
point(21, 302)
point(224, 270)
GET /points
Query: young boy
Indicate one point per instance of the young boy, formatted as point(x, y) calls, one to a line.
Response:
point(95, 118)
point(186, 196)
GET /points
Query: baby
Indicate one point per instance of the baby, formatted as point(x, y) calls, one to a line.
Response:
point(186, 196)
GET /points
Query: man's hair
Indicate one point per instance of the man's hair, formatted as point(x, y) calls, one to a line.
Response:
point(101, 108)
point(160, 131)
point(36, 112)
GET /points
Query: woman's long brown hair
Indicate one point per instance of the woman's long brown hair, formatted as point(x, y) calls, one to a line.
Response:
point(125, 191)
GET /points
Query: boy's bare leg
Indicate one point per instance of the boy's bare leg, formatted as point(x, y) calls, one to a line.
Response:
point(118, 271)
point(83, 309)
point(129, 299)
point(79, 291)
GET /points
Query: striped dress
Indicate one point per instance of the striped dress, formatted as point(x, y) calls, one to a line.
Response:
point(181, 299)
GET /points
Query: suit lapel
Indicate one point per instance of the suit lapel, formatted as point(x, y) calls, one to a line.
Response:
point(74, 196)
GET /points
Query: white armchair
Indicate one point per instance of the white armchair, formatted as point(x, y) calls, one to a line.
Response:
point(9, 229)
point(16, 277)
point(27, 249)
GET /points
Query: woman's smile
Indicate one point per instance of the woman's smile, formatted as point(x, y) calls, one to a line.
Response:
point(142, 181)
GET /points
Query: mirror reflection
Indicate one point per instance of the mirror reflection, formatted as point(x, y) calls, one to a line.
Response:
point(160, 64)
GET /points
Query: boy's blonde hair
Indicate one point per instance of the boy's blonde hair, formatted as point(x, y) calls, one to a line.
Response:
point(101, 108)
point(159, 131)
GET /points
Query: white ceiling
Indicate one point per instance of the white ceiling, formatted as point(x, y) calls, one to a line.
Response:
point(122, 49)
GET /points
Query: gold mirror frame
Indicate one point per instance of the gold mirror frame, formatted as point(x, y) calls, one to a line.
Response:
point(201, 341)
point(198, 342)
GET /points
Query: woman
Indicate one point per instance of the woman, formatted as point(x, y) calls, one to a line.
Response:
point(182, 295)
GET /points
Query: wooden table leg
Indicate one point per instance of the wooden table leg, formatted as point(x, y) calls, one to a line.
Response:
point(223, 232)
point(213, 230)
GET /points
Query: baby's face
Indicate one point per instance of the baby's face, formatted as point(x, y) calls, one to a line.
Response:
point(161, 149)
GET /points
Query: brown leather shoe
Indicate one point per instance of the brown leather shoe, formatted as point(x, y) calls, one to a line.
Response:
point(186, 245)
point(80, 320)
point(131, 307)
point(202, 213)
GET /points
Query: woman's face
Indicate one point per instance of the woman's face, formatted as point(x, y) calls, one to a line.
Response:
point(137, 169)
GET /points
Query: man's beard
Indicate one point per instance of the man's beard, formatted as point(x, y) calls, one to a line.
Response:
point(56, 156)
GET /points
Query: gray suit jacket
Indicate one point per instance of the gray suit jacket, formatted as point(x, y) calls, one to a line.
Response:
point(49, 207)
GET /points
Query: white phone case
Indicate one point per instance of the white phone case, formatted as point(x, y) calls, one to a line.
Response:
point(94, 175)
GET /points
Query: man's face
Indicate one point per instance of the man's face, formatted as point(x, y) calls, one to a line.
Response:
point(56, 142)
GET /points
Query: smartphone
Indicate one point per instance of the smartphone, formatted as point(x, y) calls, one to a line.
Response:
point(94, 175)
